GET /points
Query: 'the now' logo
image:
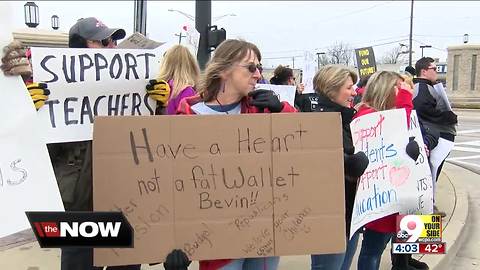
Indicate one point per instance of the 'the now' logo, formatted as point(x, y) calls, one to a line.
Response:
point(81, 229)
point(76, 229)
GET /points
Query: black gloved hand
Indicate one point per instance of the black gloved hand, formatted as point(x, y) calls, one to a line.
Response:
point(176, 260)
point(356, 164)
point(412, 149)
point(449, 117)
point(266, 99)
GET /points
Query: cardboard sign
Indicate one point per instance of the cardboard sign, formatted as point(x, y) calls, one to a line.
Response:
point(393, 182)
point(265, 179)
point(84, 83)
point(27, 180)
point(139, 41)
point(366, 63)
point(283, 92)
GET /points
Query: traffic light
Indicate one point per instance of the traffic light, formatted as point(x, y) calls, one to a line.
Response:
point(215, 36)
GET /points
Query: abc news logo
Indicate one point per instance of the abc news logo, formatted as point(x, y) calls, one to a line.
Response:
point(409, 228)
point(81, 229)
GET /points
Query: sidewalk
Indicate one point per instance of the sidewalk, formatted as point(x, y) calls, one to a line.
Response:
point(452, 198)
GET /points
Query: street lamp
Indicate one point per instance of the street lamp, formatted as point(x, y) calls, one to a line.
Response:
point(32, 18)
point(424, 46)
point(318, 59)
point(55, 22)
point(465, 38)
point(192, 18)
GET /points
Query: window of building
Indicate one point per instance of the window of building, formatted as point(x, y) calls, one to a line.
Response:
point(474, 72)
point(456, 59)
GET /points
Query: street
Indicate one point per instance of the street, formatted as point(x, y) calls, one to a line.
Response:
point(466, 154)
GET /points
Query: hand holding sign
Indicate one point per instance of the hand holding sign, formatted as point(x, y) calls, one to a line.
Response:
point(39, 93)
point(159, 90)
point(177, 260)
point(262, 99)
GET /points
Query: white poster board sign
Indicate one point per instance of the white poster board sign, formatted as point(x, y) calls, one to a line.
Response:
point(84, 83)
point(27, 180)
point(283, 92)
point(421, 184)
point(193, 38)
point(393, 182)
point(308, 72)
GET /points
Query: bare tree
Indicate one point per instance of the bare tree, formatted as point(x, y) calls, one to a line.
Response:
point(394, 56)
point(340, 53)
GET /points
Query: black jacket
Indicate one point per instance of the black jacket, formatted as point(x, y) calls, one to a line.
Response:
point(306, 102)
point(72, 164)
point(326, 105)
point(431, 109)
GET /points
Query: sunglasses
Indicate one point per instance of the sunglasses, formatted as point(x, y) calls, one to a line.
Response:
point(107, 42)
point(253, 67)
point(433, 68)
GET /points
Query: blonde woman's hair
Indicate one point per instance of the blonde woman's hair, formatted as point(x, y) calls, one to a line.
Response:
point(408, 80)
point(179, 65)
point(380, 90)
point(230, 52)
point(330, 79)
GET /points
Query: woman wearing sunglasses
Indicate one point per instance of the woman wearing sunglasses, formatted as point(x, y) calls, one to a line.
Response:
point(226, 87)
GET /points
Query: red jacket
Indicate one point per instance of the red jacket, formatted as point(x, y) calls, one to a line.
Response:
point(403, 100)
point(185, 107)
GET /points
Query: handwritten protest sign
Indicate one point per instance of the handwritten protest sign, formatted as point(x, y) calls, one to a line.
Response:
point(393, 182)
point(366, 63)
point(421, 184)
point(265, 179)
point(283, 92)
point(27, 181)
point(84, 83)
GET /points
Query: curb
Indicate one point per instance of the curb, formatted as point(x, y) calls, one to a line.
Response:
point(454, 232)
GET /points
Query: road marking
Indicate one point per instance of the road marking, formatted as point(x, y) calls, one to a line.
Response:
point(463, 158)
point(466, 149)
point(466, 163)
point(468, 131)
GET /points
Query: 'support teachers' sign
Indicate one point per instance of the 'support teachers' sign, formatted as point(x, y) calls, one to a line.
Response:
point(84, 83)
point(274, 182)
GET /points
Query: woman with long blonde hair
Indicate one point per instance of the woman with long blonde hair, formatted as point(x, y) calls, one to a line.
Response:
point(179, 74)
point(385, 90)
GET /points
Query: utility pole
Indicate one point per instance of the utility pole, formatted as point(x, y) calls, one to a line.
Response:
point(203, 20)
point(318, 59)
point(140, 18)
point(293, 62)
point(411, 33)
point(180, 37)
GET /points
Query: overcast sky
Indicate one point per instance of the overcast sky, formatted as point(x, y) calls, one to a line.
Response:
point(289, 28)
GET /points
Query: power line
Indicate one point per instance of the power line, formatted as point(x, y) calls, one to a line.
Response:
point(355, 12)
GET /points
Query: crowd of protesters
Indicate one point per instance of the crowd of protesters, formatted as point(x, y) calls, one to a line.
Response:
point(227, 86)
